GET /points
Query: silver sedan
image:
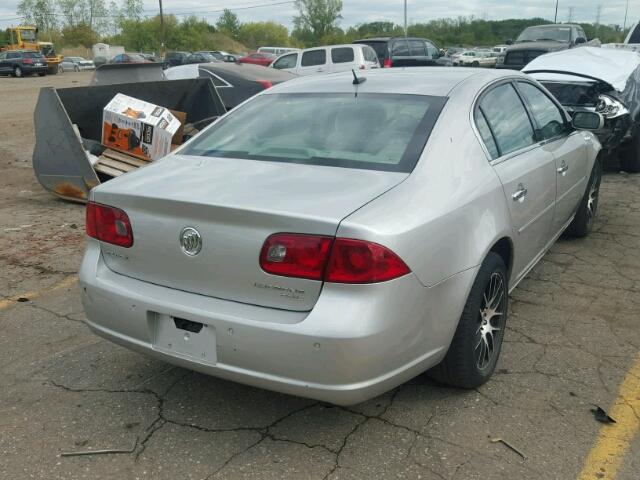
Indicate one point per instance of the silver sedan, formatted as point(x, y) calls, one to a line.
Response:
point(333, 238)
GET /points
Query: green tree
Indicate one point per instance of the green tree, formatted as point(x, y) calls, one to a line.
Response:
point(260, 34)
point(80, 34)
point(41, 13)
point(229, 24)
point(317, 17)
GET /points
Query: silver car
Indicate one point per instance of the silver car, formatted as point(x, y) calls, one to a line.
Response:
point(75, 64)
point(334, 237)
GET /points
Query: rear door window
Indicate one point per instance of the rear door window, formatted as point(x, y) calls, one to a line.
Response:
point(432, 51)
point(485, 133)
point(400, 49)
point(342, 55)
point(418, 48)
point(508, 119)
point(314, 57)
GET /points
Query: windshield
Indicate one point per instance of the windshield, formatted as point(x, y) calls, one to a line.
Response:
point(574, 94)
point(533, 34)
point(371, 131)
point(28, 35)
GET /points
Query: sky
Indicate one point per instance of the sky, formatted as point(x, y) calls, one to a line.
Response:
point(361, 11)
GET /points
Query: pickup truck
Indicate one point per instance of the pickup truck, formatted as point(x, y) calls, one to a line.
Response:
point(541, 39)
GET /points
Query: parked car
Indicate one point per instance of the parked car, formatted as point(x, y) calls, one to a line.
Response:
point(321, 60)
point(235, 82)
point(20, 63)
point(75, 64)
point(538, 40)
point(129, 58)
point(499, 49)
point(201, 57)
point(277, 50)
point(600, 80)
point(476, 58)
point(172, 59)
point(298, 255)
point(221, 55)
point(257, 58)
point(149, 56)
point(406, 52)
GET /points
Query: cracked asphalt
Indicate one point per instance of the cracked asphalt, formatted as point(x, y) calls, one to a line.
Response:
point(573, 334)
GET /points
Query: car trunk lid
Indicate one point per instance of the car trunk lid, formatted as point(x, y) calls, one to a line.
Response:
point(234, 204)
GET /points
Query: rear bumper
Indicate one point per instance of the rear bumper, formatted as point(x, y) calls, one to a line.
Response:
point(358, 341)
point(28, 69)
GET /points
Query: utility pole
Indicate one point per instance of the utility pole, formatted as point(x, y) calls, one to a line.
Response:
point(555, 19)
point(598, 13)
point(570, 15)
point(161, 32)
point(405, 18)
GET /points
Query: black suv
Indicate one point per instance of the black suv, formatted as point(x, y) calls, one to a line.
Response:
point(538, 40)
point(406, 52)
point(173, 59)
point(22, 62)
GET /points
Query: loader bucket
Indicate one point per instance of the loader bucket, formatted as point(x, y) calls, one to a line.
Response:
point(60, 162)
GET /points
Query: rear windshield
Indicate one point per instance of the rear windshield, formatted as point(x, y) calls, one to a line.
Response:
point(379, 47)
point(371, 131)
point(31, 55)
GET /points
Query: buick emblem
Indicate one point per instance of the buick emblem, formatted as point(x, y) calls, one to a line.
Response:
point(190, 241)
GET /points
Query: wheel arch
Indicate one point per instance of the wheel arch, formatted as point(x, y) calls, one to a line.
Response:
point(504, 248)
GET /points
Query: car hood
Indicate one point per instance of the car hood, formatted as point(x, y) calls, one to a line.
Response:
point(613, 67)
point(548, 46)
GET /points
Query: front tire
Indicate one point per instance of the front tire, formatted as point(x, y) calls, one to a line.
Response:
point(76, 69)
point(475, 64)
point(585, 215)
point(476, 344)
point(60, 69)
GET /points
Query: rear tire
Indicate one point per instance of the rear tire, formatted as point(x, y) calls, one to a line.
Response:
point(60, 69)
point(17, 72)
point(76, 69)
point(475, 348)
point(475, 64)
point(583, 221)
point(630, 159)
point(42, 74)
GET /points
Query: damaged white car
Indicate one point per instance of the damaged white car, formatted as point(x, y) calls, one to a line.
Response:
point(606, 81)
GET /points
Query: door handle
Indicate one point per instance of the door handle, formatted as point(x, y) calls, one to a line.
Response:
point(519, 195)
point(562, 169)
point(320, 70)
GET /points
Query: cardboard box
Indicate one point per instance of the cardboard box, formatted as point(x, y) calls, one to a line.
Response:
point(138, 128)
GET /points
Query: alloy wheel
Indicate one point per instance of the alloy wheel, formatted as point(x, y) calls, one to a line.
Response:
point(491, 321)
point(18, 72)
point(592, 199)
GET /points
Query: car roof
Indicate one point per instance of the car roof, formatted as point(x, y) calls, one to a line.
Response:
point(556, 25)
point(435, 81)
point(386, 39)
point(248, 71)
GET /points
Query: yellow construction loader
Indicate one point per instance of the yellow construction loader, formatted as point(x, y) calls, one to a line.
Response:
point(25, 38)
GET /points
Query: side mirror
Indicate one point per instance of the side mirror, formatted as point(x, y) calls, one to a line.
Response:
point(587, 121)
point(509, 42)
point(580, 40)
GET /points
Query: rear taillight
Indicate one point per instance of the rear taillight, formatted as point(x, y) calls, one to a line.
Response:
point(387, 63)
point(27, 61)
point(108, 224)
point(357, 261)
point(362, 67)
point(295, 255)
point(265, 83)
point(339, 260)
